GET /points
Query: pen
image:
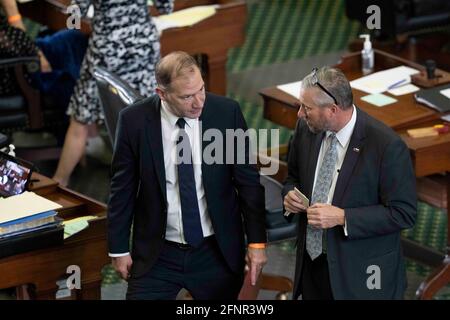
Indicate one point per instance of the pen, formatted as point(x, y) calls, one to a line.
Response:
point(392, 86)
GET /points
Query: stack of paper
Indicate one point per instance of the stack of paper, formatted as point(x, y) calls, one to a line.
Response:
point(24, 205)
point(382, 81)
point(184, 18)
point(26, 212)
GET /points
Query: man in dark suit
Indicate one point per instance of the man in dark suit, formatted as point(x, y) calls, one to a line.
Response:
point(188, 213)
point(358, 176)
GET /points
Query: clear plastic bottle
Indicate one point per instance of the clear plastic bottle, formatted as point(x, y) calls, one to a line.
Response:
point(367, 55)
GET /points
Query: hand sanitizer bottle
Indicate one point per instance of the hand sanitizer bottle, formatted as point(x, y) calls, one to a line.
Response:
point(367, 55)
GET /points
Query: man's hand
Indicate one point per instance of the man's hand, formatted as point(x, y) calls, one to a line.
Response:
point(256, 259)
point(325, 216)
point(122, 265)
point(45, 65)
point(293, 203)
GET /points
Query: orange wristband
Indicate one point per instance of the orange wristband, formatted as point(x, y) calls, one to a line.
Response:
point(14, 18)
point(257, 245)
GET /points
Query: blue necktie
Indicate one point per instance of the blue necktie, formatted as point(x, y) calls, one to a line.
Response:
point(192, 226)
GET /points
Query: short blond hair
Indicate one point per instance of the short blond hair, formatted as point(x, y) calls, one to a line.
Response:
point(174, 65)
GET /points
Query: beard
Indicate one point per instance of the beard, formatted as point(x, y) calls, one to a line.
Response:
point(320, 126)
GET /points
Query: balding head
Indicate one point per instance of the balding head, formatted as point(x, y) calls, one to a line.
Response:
point(175, 64)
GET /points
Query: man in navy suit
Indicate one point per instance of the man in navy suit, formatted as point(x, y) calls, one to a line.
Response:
point(189, 215)
point(358, 176)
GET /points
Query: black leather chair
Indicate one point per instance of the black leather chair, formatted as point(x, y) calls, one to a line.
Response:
point(115, 94)
point(402, 16)
point(278, 229)
point(29, 110)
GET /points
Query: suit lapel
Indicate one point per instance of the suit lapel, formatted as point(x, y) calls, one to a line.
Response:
point(154, 137)
point(205, 124)
point(314, 149)
point(354, 149)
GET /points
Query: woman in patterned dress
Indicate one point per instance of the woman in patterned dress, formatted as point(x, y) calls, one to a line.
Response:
point(125, 41)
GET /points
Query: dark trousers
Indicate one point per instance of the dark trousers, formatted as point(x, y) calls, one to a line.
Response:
point(315, 279)
point(202, 271)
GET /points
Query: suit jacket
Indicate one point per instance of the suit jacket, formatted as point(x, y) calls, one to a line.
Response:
point(376, 188)
point(234, 196)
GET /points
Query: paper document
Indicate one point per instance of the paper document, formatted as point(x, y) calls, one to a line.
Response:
point(446, 118)
point(184, 18)
point(446, 92)
point(378, 99)
point(24, 205)
point(382, 81)
point(304, 199)
point(409, 88)
point(292, 88)
point(74, 226)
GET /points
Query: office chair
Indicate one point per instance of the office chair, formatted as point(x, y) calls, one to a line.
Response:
point(278, 229)
point(115, 94)
point(31, 111)
point(401, 16)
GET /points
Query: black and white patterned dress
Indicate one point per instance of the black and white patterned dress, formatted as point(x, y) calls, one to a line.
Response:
point(125, 41)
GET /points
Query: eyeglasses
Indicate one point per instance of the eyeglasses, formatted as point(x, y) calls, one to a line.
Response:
point(305, 108)
point(316, 82)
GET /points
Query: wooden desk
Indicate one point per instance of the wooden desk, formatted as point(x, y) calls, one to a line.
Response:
point(87, 249)
point(429, 155)
point(281, 107)
point(212, 37)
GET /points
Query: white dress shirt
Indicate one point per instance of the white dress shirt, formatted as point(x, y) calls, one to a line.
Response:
point(343, 140)
point(170, 133)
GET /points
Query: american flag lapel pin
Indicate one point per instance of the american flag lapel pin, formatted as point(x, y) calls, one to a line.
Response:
point(356, 150)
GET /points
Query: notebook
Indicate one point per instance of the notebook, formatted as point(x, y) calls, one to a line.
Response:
point(436, 98)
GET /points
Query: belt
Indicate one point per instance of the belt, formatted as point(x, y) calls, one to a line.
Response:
point(182, 246)
point(186, 246)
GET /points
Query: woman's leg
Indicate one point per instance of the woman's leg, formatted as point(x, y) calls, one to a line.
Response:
point(73, 150)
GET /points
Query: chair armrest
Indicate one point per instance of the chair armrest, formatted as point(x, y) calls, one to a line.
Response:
point(32, 63)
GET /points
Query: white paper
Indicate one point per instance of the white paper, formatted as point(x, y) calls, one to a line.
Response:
point(24, 205)
point(446, 117)
point(292, 88)
point(409, 88)
point(446, 92)
point(381, 81)
point(185, 17)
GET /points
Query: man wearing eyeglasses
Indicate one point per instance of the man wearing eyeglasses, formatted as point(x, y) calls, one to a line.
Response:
point(190, 216)
point(358, 177)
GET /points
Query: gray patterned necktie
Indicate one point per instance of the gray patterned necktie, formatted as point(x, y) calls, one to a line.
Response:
point(320, 194)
